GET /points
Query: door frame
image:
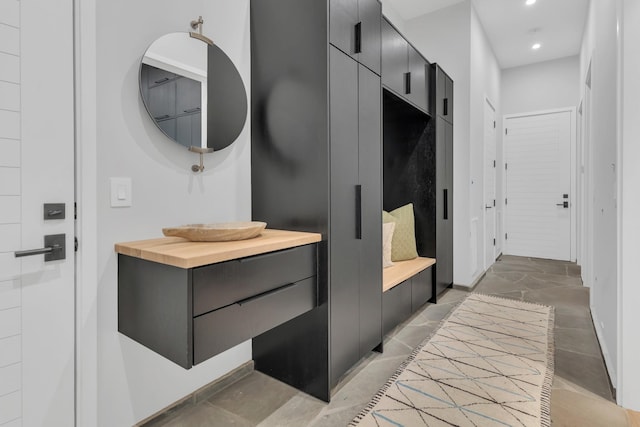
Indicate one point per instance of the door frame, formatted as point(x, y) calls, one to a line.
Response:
point(85, 42)
point(572, 161)
point(486, 266)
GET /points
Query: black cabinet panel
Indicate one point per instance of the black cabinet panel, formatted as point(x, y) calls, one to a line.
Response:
point(395, 60)
point(343, 246)
point(355, 30)
point(218, 285)
point(370, 178)
point(370, 12)
point(222, 329)
point(396, 305)
point(154, 307)
point(440, 90)
point(418, 88)
point(421, 288)
point(342, 24)
point(448, 100)
point(444, 205)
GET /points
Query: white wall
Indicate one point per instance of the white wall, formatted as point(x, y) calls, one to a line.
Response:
point(134, 382)
point(393, 16)
point(454, 38)
point(444, 37)
point(629, 369)
point(485, 83)
point(542, 86)
point(600, 46)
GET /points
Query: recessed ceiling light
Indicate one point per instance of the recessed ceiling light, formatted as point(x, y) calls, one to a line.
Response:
point(530, 2)
point(536, 46)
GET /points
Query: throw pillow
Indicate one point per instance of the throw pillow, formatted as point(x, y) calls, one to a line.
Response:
point(387, 236)
point(403, 244)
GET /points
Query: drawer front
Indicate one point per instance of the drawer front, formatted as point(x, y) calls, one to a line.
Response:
point(218, 285)
point(396, 305)
point(222, 329)
point(422, 288)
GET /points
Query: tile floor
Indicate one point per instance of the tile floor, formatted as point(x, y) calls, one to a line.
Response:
point(580, 396)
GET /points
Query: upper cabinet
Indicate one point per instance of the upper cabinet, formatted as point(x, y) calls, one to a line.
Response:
point(443, 95)
point(355, 30)
point(404, 70)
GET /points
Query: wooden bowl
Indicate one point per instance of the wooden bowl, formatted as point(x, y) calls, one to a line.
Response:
point(217, 232)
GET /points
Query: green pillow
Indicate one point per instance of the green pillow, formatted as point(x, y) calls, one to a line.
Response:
point(403, 245)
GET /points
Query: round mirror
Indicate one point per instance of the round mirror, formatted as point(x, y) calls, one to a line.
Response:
point(193, 92)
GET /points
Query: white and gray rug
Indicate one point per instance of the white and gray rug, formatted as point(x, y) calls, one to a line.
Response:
point(489, 364)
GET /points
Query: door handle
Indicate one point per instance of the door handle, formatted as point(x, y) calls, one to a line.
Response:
point(358, 38)
point(563, 204)
point(488, 207)
point(407, 83)
point(359, 212)
point(445, 214)
point(54, 248)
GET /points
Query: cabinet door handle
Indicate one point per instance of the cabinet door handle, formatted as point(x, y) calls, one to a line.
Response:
point(445, 106)
point(446, 204)
point(358, 37)
point(407, 83)
point(359, 212)
point(265, 294)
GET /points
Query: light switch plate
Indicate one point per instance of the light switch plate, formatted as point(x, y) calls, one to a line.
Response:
point(121, 192)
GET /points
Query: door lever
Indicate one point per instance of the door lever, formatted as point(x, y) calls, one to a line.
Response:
point(563, 204)
point(488, 207)
point(54, 248)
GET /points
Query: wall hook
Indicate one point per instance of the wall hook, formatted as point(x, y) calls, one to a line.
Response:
point(201, 151)
point(197, 25)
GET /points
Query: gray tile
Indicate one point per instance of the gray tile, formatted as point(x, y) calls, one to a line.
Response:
point(516, 295)
point(573, 317)
point(254, 397)
point(574, 270)
point(577, 340)
point(452, 295)
point(586, 371)
point(301, 410)
point(559, 296)
point(366, 384)
point(338, 418)
point(557, 278)
point(437, 312)
point(205, 415)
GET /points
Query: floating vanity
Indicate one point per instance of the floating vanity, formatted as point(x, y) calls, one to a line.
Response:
point(189, 301)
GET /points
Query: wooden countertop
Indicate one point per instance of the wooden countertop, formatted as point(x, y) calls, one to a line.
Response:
point(182, 253)
point(402, 270)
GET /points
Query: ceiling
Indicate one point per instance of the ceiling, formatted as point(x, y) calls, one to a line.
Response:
point(512, 27)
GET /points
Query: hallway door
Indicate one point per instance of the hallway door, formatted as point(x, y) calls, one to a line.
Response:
point(538, 185)
point(37, 312)
point(489, 184)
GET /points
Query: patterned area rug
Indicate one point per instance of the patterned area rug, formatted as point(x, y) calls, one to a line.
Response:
point(489, 364)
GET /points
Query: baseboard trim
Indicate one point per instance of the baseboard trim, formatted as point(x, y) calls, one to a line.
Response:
point(203, 393)
point(611, 373)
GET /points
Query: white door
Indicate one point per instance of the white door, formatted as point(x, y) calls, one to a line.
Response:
point(489, 185)
point(538, 185)
point(36, 167)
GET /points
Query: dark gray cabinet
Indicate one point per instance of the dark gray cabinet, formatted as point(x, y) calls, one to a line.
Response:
point(404, 70)
point(406, 298)
point(316, 148)
point(443, 94)
point(355, 30)
point(190, 315)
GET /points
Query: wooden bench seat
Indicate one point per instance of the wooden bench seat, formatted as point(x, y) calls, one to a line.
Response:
point(403, 270)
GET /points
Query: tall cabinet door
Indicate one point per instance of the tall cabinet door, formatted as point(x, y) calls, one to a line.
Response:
point(343, 243)
point(443, 208)
point(417, 90)
point(370, 178)
point(369, 13)
point(355, 30)
point(394, 59)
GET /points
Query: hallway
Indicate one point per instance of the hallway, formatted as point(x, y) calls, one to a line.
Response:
point(580, 395)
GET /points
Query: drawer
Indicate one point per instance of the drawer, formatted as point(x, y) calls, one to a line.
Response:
point(222, 329)
point(421, 288)
point(396, 305)
point(218, 285)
